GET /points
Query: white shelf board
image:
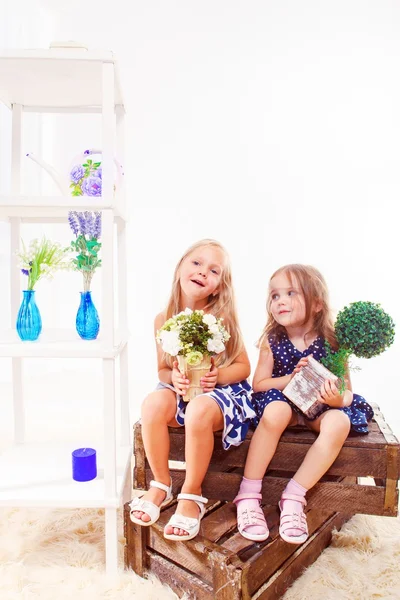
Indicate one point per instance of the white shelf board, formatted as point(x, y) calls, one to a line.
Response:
point(40, 474)
point(35, 207)
point(58, 343)
point(55, 78)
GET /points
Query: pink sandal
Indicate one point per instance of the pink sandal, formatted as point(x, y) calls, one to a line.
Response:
point(248, 515)
point(293, 520)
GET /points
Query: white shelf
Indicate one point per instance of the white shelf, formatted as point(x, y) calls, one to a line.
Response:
point(41, 475)
point(75, 81)
point(58, 343)
point(56, 78)
point(53, 207)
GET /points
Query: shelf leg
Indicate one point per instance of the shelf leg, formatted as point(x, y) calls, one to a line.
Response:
point(111, 533)
point(15, 277)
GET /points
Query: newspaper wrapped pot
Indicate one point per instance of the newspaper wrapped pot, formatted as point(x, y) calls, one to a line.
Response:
point(305, 386)
point(194, 373)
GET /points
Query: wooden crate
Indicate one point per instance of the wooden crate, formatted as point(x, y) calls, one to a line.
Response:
point(219, 563)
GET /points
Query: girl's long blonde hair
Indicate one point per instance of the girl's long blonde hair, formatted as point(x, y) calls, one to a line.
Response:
point(223, 304)
point(315, 291)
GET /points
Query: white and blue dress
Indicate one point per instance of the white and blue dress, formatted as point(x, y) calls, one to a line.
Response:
point(286, 356)
point(235, 403)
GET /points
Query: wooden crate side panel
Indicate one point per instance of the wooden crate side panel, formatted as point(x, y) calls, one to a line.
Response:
point(227, 579)
point(178, 579)
point(338, 497)
point(139, 475)
point(136, 540)
point(304, 556)
point(192, 555)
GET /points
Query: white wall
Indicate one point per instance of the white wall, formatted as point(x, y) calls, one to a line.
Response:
point(272, 126)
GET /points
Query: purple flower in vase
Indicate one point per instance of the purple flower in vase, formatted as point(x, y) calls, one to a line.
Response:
point(91, 186)
point(77, 172)
point(73, 223)
point(82, 222)
point(89, 223)
point(97, 225)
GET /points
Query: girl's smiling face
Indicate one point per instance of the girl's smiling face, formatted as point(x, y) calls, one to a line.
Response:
point(200, 273)
point(286, 301)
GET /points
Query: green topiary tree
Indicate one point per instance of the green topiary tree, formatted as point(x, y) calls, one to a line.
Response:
point(363, 329)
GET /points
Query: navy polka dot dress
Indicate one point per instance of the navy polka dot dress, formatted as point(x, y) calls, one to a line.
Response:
point(286, 356)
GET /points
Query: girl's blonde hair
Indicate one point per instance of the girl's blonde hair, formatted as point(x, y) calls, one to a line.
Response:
point(315, 291)
point(223, 304)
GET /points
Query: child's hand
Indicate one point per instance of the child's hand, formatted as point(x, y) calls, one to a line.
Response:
point(302, 363)
point(209, 381)
point(329, 394)
point(179, 381)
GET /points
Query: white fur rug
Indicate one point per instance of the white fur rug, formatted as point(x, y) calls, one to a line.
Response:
point(59, 554)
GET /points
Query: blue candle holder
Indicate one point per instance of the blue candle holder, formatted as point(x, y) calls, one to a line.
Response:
point(84, 467)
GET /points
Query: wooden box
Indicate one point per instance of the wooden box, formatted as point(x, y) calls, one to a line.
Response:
point(219, 563)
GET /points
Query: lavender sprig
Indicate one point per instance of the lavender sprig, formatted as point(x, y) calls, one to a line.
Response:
point(87, 228)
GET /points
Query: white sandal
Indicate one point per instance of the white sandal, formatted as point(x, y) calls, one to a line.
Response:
point(150, 508)
point(189, 524)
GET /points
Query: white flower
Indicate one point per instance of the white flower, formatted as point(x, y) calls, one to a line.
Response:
point(215, 345)
point(209, 320)
point(170, 342)
point(214, 329)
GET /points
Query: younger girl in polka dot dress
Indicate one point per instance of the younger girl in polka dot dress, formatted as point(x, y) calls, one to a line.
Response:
point(299, 322)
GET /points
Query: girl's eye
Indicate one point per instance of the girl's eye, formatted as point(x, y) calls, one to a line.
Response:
point(274, 297)
point(291, 293)
point(214, 271)
point(196, 262)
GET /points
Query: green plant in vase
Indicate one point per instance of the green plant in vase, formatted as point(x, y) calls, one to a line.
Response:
point(87, 229)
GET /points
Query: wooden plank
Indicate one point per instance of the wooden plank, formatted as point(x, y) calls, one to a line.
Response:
point(304, 556)
point(220, 522)
point(361, 462)
point(391, 493)
point(227, 579)
point(301, 435)
point(181, 582)
point(384, 427)
point(348, 498)
point(139, 476)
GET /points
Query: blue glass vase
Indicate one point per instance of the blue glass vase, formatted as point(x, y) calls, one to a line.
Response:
point(87, 318)
point(29, 322)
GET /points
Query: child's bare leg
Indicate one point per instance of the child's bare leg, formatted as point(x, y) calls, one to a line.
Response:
point(333, 427)
point(203, 416)
point(158, 411)
point(276, 417)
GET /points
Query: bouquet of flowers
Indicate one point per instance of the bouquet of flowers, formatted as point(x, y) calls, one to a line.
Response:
point(362, 329)
point(193, 337)
point(42, 259)
point(87, 228)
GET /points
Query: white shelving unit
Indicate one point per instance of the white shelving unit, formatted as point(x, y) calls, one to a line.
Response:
point(69, 81)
